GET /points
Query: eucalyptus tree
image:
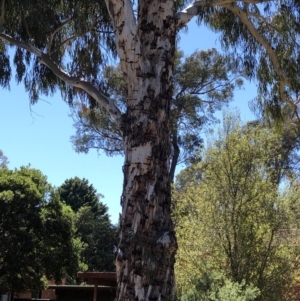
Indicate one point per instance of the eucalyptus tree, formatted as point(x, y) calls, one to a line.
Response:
point(64, 45)
point(203, 83)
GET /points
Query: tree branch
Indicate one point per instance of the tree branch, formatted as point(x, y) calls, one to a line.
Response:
point(53, 33)
point(26, 27)
point(73, 81)
point(184, 16)
point(242, 15)
point(26, 46)
point(262, 19)
point(125, 27)
point(72, 38)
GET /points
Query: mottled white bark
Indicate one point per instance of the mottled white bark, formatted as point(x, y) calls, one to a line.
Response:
point(146, 48)
point(127, 41)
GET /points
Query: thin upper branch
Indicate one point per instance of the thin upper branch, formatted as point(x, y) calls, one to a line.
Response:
point(67, 40)
point(125, 27)
point(260, 39)
point(262, 19)
point(73, 81)
point(26, 28)
point(184, 16)
point(54, 32)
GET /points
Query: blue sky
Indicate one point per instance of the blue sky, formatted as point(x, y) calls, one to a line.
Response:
point(40, 135)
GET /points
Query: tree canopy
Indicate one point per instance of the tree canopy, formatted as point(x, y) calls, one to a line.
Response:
point(230, 213)
point(257, 32)
point(92, 223)
point(99, 237)
point(78, 192)
point(36, 232)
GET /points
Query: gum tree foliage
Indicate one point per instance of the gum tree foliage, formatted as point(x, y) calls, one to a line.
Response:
point(36, 232)
point(92, 223)
point(232, 218)
point(204, 82)
point(64, 45)
point(286, 163)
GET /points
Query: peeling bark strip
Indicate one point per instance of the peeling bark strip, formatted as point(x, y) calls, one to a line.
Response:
point(146, 49)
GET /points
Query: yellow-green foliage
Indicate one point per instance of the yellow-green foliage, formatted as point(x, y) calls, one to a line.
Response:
point(229, 213)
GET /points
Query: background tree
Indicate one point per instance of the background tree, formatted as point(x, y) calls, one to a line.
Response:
point(92, 222)
point(60, 225)
point(78, 192)
point(204, 82)
point(100, 238)
point(36, 232)
point(65, 52)
point(3, 160)
point(229, 214)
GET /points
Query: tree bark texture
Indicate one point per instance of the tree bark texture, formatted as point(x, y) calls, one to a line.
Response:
point(145, 260)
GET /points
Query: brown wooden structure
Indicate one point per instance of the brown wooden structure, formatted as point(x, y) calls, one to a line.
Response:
point(99, 279)
point(83, 293)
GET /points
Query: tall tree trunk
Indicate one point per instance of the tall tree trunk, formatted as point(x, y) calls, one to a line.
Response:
point(145, 262)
